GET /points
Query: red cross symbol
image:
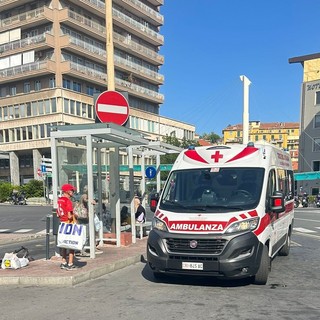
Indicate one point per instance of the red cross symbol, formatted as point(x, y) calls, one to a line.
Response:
point(216, 156)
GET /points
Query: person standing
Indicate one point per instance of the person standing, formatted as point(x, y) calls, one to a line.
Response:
point(65, 214)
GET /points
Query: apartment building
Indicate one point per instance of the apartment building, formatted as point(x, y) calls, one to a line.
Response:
point(285, 135)
point(309, 148)
point(53, 62)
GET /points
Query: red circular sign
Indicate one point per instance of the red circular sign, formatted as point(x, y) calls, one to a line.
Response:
point(112, 106)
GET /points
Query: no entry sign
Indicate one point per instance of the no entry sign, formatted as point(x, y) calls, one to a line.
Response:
point(112, 106)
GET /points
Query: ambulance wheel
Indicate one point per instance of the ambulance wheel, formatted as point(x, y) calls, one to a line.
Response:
point(261, 276)
point(284, 251)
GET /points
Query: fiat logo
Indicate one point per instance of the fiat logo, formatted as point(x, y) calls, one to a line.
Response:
point(193, 244)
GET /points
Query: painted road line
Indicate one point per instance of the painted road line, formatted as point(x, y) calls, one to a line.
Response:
point(22, 230)
point(295, 244)
point(4, 230)
point(303, 230)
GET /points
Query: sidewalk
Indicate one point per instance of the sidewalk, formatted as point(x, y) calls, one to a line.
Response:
point(48, 273)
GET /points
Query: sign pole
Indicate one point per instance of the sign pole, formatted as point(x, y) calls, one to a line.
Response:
point(109, 45)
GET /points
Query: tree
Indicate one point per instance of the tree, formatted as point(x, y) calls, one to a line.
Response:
point(170, 158)
point(212, 137)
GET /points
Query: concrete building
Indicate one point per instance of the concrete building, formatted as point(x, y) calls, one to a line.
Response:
point(282, 134)
point(309, 151)
point(53, 62)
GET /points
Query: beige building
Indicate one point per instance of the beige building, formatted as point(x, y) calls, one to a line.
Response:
point(53, 62)
point(285, 135)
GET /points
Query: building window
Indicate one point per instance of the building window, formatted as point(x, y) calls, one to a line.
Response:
point(37, 85)
point(26, 87)
point(318, 97)
point(13, 91)
point(52, 82)
point(316, 144)
point(76, 86)
point(90, 91)
point(316, 165)
point(317, 121)
point(66, 84)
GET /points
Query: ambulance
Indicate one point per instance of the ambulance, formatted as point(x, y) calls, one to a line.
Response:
point(225, 211)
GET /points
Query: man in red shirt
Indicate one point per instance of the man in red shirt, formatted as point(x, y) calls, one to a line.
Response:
point(65, 214)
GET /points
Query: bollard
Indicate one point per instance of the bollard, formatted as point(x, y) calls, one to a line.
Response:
point(48, 235)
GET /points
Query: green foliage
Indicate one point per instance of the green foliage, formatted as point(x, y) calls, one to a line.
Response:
point(212, 137)
point(5, 191)
point(170, 158)
point(34, 188)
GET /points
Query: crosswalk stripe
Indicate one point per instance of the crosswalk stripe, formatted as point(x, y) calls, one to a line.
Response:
point(22, 230)
point(303, 230)
point(4, 230)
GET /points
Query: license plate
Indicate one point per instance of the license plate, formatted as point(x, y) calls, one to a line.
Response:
point(192, 266)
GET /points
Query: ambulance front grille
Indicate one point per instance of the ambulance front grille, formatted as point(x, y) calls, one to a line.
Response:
point(204, 246)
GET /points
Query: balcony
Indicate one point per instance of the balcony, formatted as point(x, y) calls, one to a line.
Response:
point(140, 9)
point(9, 4)
point(140, 71)
point(137, 28)
point(139, 91)
point(83, 24)
point(98, 8)
point(146, 54)
point(31, 18)
point(81, 47)
point(84, 73)
point(27, 71)
point(41, 41)
point(157, 2)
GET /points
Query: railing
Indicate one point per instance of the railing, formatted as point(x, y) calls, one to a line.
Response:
point(101, 5)
point(87, 22)
point(87, 46)
point(88, 71)
point(13, 71)
point(137, 25)
point(140, 89)
point(22, 17)
point(139, 68)
point(137, 47)
point(23, 43)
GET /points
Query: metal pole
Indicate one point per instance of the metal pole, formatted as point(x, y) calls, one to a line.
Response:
point(245, 121)
point(109, 46)
point(47, 236)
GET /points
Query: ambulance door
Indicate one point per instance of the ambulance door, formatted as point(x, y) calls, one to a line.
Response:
point(272, 187)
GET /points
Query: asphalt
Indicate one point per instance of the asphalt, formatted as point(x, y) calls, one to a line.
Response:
point(48, 273)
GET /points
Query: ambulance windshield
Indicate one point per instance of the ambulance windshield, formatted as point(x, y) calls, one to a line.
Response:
point(212, 190)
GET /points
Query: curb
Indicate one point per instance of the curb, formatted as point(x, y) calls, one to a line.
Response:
point(71, 280)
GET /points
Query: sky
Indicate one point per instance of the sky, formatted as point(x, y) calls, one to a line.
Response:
point(209, 44)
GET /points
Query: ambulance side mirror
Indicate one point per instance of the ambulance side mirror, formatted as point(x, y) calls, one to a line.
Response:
point(154, 198)
point(277, 202)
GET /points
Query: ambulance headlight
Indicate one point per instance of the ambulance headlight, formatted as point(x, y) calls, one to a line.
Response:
point(159, 225)
point(246, 225)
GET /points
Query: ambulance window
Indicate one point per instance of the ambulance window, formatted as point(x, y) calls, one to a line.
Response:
point(290, 184)
point(271, 183)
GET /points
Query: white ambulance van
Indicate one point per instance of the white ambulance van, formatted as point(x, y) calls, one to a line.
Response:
point(225, 211)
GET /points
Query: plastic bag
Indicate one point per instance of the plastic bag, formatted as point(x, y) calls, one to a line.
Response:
point(71, 236)
point(11, 260)
point(97, 223)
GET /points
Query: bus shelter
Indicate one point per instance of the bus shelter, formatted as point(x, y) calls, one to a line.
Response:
point(153, 148)
point(87, 144)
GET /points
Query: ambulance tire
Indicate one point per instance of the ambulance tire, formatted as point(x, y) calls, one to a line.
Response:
point(261, 276)
point(284, 251)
